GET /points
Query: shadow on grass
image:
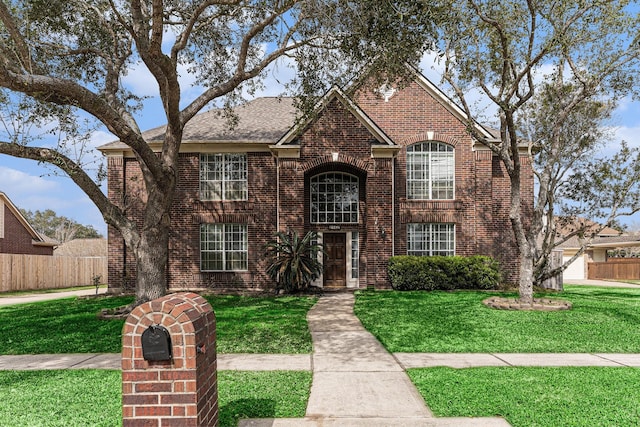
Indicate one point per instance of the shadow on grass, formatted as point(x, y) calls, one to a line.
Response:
point(239, 409)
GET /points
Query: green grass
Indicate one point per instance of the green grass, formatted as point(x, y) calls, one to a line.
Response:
point(542, 397)
point(60, 398)
point(93, 397)
point(67, 325)
point(279, 394)
point(602, 320)
point(244, 325)
point(262, 325)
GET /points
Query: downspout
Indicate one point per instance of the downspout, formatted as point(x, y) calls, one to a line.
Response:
point(393, 206)
point(277, 191)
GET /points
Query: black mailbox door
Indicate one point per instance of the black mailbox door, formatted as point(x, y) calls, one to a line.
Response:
point(156, 343)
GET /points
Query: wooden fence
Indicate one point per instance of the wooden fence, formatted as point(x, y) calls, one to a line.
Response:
point(25, 272)
point(617, 269)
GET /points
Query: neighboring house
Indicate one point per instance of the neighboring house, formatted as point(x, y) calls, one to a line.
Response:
point(17, 236)
point(82, 248)
point(376, 173)
point(607, 239)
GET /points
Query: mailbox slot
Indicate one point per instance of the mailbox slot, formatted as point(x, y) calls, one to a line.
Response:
point(156, 343)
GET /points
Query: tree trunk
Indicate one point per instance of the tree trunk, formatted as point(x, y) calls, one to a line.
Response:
point(151, 263)
point(525, 288)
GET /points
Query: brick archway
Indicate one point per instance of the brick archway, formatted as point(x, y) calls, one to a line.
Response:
point(361, 165)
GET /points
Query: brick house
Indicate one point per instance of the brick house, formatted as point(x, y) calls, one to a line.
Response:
point(17, 236)
point(376, 172)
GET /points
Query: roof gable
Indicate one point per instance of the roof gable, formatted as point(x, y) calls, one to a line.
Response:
point(450, 105)
point(5, 202)
point(337, 94)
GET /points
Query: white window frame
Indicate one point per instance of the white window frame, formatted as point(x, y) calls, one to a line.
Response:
point(429, 239)
point(430, 171)
point(217, 238)
point(318, 215)
point(354, 253)
point(219, 180)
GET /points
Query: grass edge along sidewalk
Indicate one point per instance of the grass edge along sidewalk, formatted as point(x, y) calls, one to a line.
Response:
point(534, 396)
point(94, 397)
point(603, 320)
point(244, 325)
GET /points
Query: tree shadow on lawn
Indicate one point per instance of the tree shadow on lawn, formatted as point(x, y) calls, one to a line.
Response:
point(236, 410)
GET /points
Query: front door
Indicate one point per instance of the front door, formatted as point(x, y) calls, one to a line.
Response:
point(335, 261)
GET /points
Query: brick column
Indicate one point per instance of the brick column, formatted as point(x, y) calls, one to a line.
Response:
point(182, 391)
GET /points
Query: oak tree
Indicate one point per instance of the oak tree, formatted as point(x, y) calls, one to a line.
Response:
point(63, 61)
point(500, 51)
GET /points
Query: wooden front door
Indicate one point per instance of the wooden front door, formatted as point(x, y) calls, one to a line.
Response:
point(335, 260)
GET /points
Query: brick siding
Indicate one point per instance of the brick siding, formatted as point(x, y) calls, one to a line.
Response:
point(480, 210)
point(17, 240)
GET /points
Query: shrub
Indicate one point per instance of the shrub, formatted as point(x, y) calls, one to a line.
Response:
point(293, 261)
point(443, 272)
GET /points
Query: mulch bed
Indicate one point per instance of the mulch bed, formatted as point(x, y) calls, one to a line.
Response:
point(539, 304)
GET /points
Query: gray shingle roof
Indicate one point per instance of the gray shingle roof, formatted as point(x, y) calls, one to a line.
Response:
point(260, 120)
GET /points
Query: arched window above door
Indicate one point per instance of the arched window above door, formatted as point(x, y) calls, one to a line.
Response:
point(334, 198)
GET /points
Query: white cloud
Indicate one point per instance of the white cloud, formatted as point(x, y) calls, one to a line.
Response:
point(630, 134)
point(23, 183)
point(140, 81)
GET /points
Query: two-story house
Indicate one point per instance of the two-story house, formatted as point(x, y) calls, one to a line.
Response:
point(376, 173)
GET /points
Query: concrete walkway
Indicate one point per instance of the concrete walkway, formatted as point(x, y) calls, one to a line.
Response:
point(356, 382)
point(602, 283)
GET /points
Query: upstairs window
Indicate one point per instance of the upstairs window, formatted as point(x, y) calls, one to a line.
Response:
point(430, 171)
point(223, 177)
point(334, 198)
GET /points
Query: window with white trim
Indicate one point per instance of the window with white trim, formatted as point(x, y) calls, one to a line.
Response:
point(334, 198)
point(223, 176)
point(431, 239)
point(355, 255)
point(223, 247)
point(430, 171)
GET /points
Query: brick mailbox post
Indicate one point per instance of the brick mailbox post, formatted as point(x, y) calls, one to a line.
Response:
point(169, 373)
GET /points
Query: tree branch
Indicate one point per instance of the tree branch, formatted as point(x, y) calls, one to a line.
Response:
point(112, 214)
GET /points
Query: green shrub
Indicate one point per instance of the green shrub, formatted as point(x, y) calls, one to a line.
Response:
point(443, 272)
point(293, 261)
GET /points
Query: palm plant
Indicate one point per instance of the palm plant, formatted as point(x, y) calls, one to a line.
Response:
point(293, 261)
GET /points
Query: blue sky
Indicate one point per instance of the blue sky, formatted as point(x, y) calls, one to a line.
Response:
point(35, 187)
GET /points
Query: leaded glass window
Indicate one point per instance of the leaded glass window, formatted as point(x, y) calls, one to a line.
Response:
point(334, 198)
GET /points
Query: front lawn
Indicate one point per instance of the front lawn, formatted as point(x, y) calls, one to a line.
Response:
point(602, 320)
point(244, 325)
point(528, 397)
point(94, 397)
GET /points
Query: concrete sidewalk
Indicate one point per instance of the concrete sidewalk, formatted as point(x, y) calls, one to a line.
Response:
point(305, 362)
point(36, 297)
